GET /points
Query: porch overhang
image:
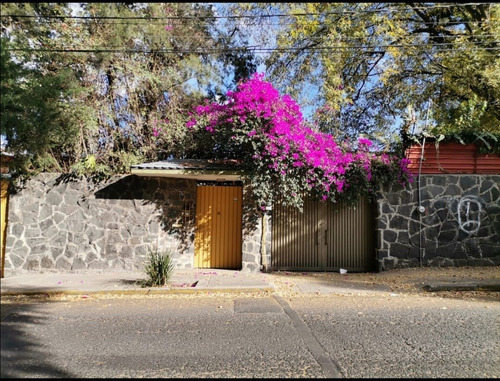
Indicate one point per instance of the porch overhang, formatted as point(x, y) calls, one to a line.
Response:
point(197, 169)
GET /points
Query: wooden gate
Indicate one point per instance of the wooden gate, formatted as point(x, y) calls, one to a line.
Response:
point(218, 227)
point(324, 237)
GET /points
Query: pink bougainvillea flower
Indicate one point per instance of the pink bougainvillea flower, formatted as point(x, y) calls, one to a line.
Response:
point(269, 133)
point(191, 122)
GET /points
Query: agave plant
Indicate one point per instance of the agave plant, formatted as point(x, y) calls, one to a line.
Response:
point(159, 269)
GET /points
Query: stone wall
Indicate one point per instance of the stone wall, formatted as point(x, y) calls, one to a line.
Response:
point(254, 258)
point(73, 225)
point(459, 224)
point(252, 234)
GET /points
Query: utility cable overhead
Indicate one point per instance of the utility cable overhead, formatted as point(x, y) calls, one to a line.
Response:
point(174, 23)
point(241, 49)
point(197, 17)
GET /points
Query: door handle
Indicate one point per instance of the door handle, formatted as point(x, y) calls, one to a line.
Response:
point(326, 237)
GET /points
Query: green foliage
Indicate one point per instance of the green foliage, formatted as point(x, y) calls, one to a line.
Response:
point(467, 116)
point(466, 124)
point(159, 269)
point(33, 119)
point(89, 167)
point(370, 61)
point(118, 107)
point(95, 112)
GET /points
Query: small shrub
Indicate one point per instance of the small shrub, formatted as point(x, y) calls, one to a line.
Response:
point(159, 269)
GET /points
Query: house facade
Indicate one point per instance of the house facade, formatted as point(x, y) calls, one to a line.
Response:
point(202, 214)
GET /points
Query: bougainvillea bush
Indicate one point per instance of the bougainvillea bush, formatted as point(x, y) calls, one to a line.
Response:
point(283, 154)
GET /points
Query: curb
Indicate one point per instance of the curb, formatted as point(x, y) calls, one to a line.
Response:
point(140, 292)
point(464, 286)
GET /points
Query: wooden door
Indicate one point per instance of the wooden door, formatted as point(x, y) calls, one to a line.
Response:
point(218, 227)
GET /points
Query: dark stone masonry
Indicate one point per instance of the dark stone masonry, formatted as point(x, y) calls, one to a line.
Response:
point(459, 224)
point(59, 224)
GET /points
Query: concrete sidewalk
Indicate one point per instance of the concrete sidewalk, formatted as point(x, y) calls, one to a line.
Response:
point(216, 280)
point(182, 281)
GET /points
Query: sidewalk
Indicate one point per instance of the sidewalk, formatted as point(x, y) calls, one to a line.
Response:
point(216, 280)
point(182, 281)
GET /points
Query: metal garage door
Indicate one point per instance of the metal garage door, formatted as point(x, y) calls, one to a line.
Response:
point(324, 237)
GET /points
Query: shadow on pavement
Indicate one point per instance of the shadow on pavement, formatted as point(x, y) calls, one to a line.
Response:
point(22, 356)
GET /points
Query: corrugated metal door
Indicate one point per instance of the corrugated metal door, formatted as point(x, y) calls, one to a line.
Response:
point(297, 237)
point(351, 237)
point(324, 237)
point(218, 227)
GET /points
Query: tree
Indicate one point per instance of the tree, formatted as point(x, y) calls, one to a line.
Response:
point(36, 120)
point(370, 61)
point(282, 154)
point(129, 72)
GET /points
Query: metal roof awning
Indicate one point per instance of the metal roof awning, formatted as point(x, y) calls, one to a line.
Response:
point(206, 170)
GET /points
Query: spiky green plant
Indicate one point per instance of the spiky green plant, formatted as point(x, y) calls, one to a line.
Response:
point(159, 269)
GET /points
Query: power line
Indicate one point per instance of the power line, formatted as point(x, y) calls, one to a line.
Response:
point(467, 39)
point(146, 21)
point(198, 17)
point(256, 49)
point(446, 37)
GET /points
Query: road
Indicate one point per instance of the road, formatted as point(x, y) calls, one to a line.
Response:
point(258, 336)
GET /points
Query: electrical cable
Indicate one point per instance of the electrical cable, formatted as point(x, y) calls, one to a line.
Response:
point(256, 49)
point(350, 13)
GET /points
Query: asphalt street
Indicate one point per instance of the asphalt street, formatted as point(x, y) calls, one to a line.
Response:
point(251, 335)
